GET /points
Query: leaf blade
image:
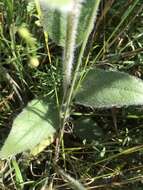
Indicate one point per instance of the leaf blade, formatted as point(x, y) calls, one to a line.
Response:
point(55, 22)
point(39, 120)
point(105, 89)
point(64, 5)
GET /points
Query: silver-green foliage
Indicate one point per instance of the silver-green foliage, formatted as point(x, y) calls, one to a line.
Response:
point(55, 22)
point(38, 121)
point(105, 89)
point(59, 3)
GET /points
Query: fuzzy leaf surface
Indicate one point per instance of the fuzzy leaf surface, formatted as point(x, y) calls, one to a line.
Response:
point(55, 22)
point(105, 89)
point(37, 121)
point(60, 4)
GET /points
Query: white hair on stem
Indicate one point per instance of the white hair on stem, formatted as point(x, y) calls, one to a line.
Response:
point(68, 56)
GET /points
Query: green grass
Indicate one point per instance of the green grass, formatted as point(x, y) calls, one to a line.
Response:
point(111, 161)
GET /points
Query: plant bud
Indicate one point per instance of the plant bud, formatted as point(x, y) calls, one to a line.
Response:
point(34, 62)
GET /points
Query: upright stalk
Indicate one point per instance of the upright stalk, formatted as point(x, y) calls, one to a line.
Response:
point(68, 61)
point(70, 43)
point(75, 75)
point(69, 93)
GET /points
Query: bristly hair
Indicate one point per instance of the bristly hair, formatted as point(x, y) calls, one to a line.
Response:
point(68, 56)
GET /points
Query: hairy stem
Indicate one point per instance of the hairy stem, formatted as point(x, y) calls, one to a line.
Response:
point(68, 58)
point(69, 95)
point(68, 61)
point(87, 33)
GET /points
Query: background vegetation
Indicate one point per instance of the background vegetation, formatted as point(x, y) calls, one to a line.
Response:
point(112, 156)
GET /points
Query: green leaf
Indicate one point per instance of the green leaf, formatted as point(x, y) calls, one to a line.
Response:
point(18, 174)
point(59, 4)
point(37, 121)
point(87, 129)
point(105, 89)
point(55, 22)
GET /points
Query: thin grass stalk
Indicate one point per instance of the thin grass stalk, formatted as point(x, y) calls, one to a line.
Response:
point(45, 33)
point(124, 17)
point(48, 53)
point(73, 183)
